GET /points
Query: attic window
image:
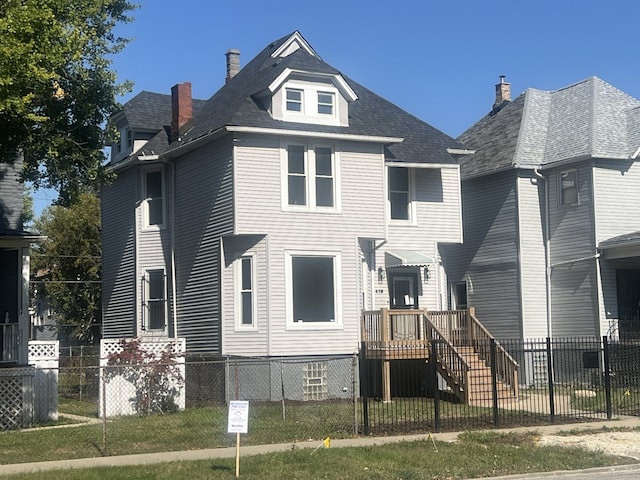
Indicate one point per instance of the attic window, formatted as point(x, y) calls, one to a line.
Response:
point(325, 103)
point(294, 100)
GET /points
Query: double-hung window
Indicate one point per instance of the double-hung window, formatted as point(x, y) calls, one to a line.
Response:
point(311, 177)
point(568, 187)
point(155, 301)
point(325, 103)
point(294, 99)
point(153, 198)
point(246, 291)
point(313, 286)
point(400, 193)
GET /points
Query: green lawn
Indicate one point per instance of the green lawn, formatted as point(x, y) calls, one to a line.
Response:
point(474, 455)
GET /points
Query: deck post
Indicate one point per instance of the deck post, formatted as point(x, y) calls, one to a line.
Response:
point(386, 365)
point(471, 312)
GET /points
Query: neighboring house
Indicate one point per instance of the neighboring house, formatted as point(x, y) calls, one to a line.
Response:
point(27, 393)
point(263, 221)
point(14, 274)
point(551, 217)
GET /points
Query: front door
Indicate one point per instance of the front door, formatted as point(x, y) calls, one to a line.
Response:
point(628, 286)
point(403, 289)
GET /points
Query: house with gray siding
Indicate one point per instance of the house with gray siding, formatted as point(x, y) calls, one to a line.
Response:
point(551, 244)
point(263, 221)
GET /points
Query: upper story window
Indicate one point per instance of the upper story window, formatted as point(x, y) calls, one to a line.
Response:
point(129, 144)
point(400, 205)
point(325, 103)
point(568, 187)
point(246, 292)
point(311, 177)
point(153, 204)
point(155, 304)
point(294, 100)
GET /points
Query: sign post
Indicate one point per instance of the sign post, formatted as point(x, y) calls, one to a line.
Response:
point(238, 423)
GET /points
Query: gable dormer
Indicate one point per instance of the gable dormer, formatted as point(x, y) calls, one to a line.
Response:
point(306, 96)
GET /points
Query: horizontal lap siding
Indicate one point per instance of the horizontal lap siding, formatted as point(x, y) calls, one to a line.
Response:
point(259, 210)
point(574, 286)
point(488, 258)
point(154, 249)
point(531, 203)
point(118, 262)
point(438, 220)
point(247, 342)
point(617, 198)
point(204, 213)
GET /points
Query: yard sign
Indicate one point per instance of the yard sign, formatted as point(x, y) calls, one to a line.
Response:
point(238, 423)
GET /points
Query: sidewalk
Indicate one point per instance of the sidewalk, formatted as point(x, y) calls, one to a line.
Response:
point(230, 452)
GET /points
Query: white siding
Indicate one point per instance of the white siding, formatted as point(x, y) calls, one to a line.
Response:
point(118, 256)
point(439, 220)
point(203, 215)
point(236, 341)
point(617, 198)
point(259, 210)
point(531, 204)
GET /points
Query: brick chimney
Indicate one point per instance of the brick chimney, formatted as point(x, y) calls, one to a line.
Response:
point(233, 63)
point(181, 108)
point(503, 95)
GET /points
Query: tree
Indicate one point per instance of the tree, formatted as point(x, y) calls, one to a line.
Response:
point(57, 88)
point(69, 261)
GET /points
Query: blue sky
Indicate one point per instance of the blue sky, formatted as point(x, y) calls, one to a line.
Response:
point(437, 59)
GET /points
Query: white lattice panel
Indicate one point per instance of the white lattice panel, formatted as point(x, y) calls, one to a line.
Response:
point(110, 346)
point(45, 350)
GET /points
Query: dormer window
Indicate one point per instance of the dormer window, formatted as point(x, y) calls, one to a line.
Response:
point(294, 100)
point(325, 103)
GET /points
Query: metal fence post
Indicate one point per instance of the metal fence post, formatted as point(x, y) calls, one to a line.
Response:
point(434, 378)
point(607, 377)
point(494, 383)
point(364, 379)
point(552, 406)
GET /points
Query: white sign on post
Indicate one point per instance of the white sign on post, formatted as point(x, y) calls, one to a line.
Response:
point(238, 416)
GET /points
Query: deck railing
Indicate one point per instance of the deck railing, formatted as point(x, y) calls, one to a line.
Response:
point(10, 343)
point(394, 334)
point(465, 330)
point(386, 331)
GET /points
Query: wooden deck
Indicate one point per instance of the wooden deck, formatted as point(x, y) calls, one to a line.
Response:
point(462, 346)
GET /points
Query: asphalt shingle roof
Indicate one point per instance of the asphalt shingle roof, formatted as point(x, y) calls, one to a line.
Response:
point(237, 104)
point(589, 119)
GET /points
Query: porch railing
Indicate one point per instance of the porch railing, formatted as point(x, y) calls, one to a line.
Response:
point(394, 334)
point(387, 332)
point(465, 330)
point(10, 343)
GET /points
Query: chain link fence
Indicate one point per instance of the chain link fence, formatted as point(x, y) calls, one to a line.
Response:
point(128, 403)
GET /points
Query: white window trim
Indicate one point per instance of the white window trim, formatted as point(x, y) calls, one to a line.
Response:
point(337, 290)
point(237, 285)
point(146, 323)
point(310, 178)
point(309, 112)
point(145, 203)
point(561, 202)
point(413, 216)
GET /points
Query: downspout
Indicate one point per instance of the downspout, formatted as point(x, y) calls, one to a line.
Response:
point(172, 240)
point(547, 250)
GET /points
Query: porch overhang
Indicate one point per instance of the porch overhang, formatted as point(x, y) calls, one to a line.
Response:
point(622, 246)
point(407, 258)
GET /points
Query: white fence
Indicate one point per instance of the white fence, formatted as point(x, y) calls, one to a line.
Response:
point(134, 371)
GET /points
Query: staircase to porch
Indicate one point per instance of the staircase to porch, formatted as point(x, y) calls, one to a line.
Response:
point(462, 347)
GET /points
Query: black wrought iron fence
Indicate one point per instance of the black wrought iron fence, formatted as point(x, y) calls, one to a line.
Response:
point(560, 380)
